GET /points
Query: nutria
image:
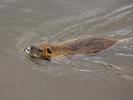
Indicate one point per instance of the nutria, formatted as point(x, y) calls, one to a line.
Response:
point(75, 46)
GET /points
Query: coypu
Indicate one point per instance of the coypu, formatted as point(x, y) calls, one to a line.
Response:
point(46, 51)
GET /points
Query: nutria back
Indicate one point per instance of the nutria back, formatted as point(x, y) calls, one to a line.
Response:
point(84, 45)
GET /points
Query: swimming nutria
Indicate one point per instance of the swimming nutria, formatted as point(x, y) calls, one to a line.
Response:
point(76, 46)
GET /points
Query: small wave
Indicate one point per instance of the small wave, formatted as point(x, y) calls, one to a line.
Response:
point(107, 65)
point(128, 77)
point(122, 54)
point(121, 32)
point(3, 6)
point(28, 10)
point(82, 70)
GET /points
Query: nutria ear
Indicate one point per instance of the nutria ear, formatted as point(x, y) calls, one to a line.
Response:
point(48, 50)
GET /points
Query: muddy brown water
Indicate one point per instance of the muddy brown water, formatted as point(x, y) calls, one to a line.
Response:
point(107, 75)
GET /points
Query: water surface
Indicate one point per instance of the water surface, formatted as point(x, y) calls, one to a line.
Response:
point(106, 75)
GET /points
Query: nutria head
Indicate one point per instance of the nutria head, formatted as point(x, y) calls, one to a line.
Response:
point(42, 51)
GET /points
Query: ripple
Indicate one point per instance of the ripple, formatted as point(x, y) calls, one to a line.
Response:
point(84, 25)
point(3, 6)
point(128, 77)
point(28, 10)
point(122, 54)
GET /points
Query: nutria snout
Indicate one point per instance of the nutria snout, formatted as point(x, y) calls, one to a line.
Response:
point(34, 51)
point(77, 46)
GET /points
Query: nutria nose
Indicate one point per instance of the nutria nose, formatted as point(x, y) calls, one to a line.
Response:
point(29, 49)
point(32, 48)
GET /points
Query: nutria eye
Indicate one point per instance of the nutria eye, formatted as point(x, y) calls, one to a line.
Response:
point(48, 50)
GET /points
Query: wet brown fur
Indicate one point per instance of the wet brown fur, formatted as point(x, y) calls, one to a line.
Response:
point(76, 46)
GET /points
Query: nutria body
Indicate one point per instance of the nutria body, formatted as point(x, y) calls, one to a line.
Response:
point(76, 46)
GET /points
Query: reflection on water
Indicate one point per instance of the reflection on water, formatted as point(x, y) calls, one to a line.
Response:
point(107, 74)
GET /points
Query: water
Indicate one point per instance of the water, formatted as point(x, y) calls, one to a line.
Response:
point(106, 75)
